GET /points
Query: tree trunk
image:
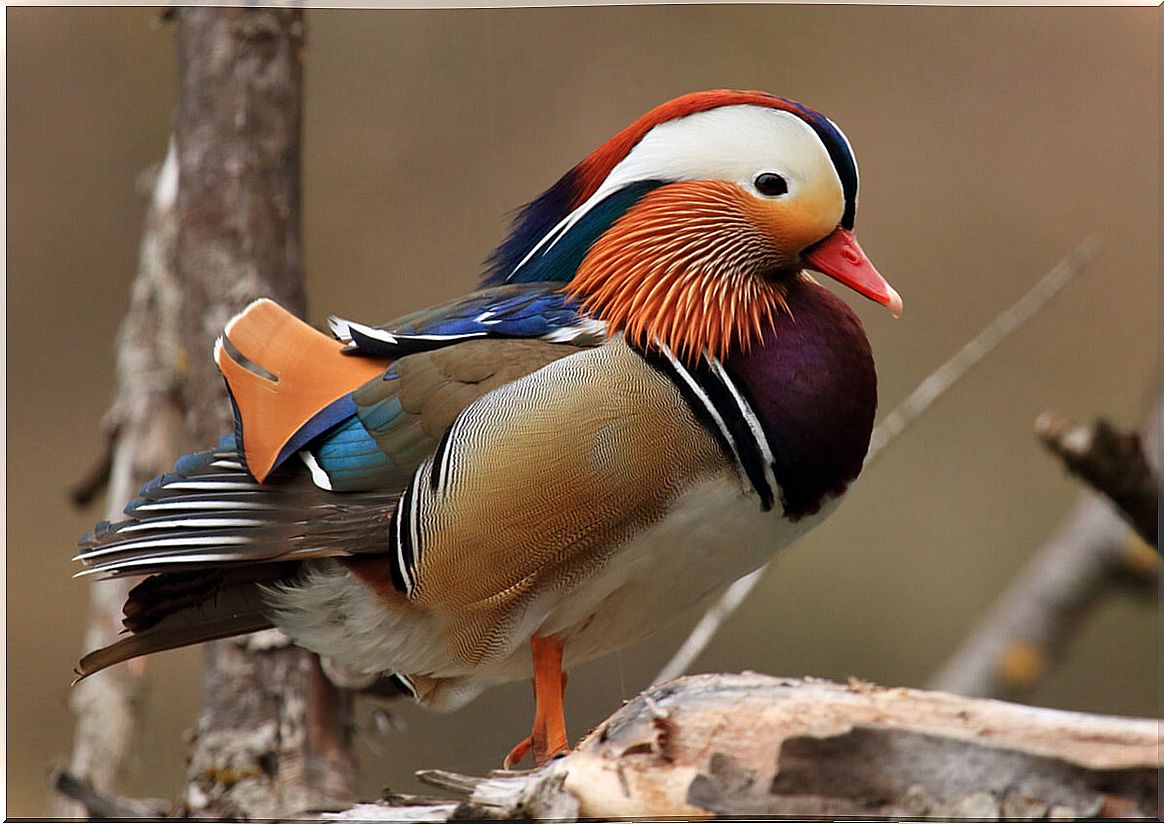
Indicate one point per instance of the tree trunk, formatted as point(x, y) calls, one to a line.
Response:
point(274, 738)
point(144, 427)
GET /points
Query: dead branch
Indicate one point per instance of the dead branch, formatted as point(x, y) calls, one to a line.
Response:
point(144, 427)
point(274, 737)
point(753, 745)
point(936, 384)
point(95, 805)
point(1024, 633)
point(1113, 463)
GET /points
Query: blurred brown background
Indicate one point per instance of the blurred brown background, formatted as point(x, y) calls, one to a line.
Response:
point(990, 142)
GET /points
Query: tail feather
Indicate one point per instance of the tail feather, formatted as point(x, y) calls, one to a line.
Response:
point(207, 513)
point(179, 609)
point(227, 521)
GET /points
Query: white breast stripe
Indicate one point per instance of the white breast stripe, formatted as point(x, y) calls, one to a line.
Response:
point(414, 519)
point(397, 523)
point(753, 422)
point(681, 370)
point(446, 459)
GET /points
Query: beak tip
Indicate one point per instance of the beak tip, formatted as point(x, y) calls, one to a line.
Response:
point(894, 303)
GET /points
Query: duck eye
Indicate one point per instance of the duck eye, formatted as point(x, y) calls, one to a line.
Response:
point(770, 184)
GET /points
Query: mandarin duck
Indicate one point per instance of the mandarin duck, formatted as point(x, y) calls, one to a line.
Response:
point(647, 398)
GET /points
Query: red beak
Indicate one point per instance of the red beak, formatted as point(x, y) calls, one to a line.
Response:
point(840, 256)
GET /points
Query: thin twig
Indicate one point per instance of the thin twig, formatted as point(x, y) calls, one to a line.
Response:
point(709, 625)
point(905, 413)
point(1024, 632)
point(96, 477)
point(1021, 635)
point(1006, 322)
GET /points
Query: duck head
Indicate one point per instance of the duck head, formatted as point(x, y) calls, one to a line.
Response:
point(687, 227)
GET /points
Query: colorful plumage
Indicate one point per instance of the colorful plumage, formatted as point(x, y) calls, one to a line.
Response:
point(647, 397)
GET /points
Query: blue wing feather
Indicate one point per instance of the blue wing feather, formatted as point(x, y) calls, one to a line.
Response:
point(352, 454)
point(353, 460)
point(524, 310)
point(348, 441)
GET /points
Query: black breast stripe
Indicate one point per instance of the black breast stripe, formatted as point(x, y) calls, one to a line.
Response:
point(440, 456)
point(724, 412)
point(401, 538)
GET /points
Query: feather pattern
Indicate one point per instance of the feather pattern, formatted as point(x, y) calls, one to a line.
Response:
point(544, 218)
point(524, 310)
point(189, 607)
point(204, 516)
point(644, 401)
point(599, 420)
point(686, 267)
point(211, 511)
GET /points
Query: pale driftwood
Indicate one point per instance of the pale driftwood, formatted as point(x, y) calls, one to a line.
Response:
point(144, 428)
point(274, 737)
point(936, 384)
point(1026, 630)
point(754, 745)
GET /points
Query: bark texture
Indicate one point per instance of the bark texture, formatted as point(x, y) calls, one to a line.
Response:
point(753, 745)
point(144, 429)
point(240, 77)
point(274, 738)
point(1113, 462)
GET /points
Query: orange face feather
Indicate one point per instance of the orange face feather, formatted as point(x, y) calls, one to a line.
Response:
point(685, 266)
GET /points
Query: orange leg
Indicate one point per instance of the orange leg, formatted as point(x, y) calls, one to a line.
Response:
point(548, 737)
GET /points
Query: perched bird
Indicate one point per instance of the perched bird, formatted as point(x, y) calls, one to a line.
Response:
point(646, 399)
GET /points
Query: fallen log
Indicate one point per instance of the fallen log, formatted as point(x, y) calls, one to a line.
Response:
point(754, 745)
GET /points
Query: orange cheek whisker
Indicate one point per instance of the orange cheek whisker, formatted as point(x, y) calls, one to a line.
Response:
point(682, 267)
point(650, 297)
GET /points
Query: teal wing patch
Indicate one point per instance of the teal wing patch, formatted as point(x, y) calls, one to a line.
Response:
point(401, 417)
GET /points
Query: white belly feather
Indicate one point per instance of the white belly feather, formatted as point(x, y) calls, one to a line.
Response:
point(712, 536)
